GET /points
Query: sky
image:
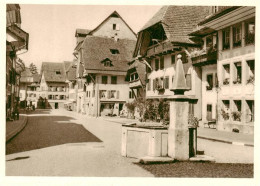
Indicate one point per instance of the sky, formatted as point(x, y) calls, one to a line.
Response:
point(52, 28)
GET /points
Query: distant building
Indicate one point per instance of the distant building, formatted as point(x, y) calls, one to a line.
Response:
point(159, 42)
point(102, 57)
point(29, 88)
point(228, 69)
point(53, 86)
point(16, 43)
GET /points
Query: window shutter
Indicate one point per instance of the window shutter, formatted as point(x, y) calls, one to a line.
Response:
point(154, 84)
point(161, 62)
point(100, 94)
point(166, 82)
point(117, 94)
point(188, 81)
point(108, 94)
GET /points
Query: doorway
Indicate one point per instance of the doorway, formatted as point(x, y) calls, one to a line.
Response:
point(56, 105)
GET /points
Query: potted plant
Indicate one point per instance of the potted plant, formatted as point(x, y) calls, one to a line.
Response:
point(225, 115)
point(193, 122)
point(226, 81)
point(236, 115)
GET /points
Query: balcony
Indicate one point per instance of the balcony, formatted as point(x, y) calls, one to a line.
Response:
point(203, 57)
point(135, 84)
point(161, 48)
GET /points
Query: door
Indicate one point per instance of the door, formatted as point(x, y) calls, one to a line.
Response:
point(56, 105)
point(209, 112)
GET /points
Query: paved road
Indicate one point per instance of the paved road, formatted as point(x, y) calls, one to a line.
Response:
point(97, 158)
point(70, 158)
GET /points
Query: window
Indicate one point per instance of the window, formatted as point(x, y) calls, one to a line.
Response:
point(62, 97)
point(250, 32)
point(238, 73)
point(209, 112)
point(113, 79)
point(102, 93)
point(114, 26)
point(250, 111)
point(166, 82)
point(237, 35)
point(49, 96)
point(226, 36)
point(134, 76)
point(216, 80)
point(209, 42)
point(113, 94)
point(209, 82)
point(149, 84)
point(131, 94)
point(161, 62)
point(104, 79)
point(57, 72)
point(251, 71)
point(184, 58)
point(214, 9)
point(173, 59)
point(236, 114)
point(156, 64)
point(114, 51)
point(226, 74)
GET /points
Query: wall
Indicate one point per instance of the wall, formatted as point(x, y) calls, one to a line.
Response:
point(232, 91)
point(209, 96)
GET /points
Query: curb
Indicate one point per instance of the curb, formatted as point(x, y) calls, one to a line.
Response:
point(226, 141)
point(16, 131)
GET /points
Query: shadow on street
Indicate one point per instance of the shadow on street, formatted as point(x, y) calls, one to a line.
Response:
point(45, 131)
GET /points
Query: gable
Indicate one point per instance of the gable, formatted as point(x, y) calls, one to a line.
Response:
point(114, 26)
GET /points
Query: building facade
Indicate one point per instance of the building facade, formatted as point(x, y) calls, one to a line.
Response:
point(16, 43)
point(229, 82)
point(159, 42)
point(29, 88)
point(53, 85)
point(102, 62)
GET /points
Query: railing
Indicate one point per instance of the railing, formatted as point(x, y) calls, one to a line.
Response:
point(159, 48)
point(204, 57)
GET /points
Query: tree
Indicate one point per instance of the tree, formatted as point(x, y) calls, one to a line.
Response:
point(33, 68)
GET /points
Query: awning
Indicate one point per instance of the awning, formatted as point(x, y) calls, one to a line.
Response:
point(22, 38)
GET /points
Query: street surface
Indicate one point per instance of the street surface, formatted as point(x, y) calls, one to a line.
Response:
point(54, 143)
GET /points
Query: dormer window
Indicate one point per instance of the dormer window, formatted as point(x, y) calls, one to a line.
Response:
point(114, 51)
point(107, 62)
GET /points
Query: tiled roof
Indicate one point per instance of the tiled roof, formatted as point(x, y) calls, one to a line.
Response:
point(97, 49)
point(178, 21)
point(140, 68)
point(49, 70)
point(27, 73)
point(82, 31)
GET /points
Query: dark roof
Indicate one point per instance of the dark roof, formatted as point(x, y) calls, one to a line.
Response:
point(178, 21)
point(82, 32)
point(113, 14)
point(67, 65)
point(10, 7)
point(138, 67)
point(97, 49)
point(49, 70)
point(27, 73)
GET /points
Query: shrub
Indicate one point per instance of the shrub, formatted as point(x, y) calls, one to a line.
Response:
point(193, 121)
point(224, 114)
point(236, 115)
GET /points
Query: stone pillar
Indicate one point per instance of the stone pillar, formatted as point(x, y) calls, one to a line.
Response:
point(178, 132)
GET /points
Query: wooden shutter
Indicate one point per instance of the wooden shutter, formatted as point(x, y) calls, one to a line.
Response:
point(166, 82)
point(117, 94)
point(154, 84)
point(188, 81)
point(161, 62)
point(108, 94)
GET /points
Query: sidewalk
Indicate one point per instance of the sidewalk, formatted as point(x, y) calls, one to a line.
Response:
point(205, 133)
point(14, 127)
